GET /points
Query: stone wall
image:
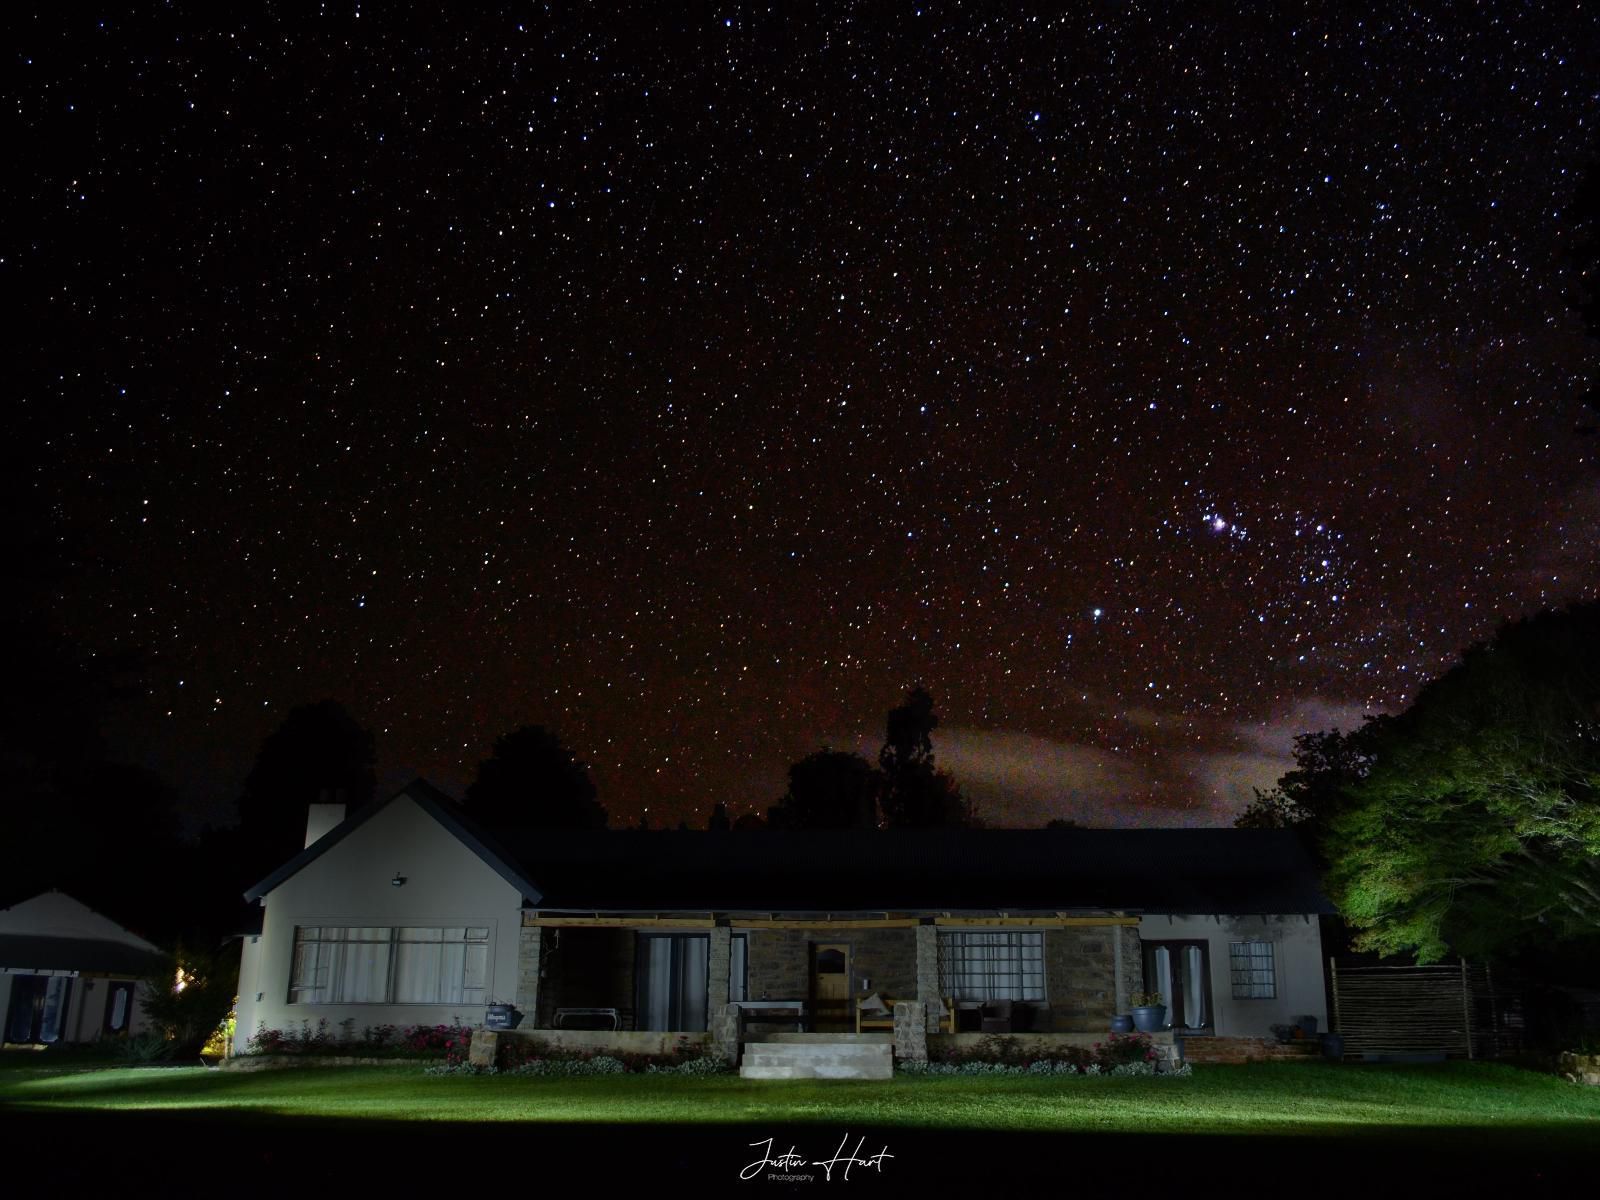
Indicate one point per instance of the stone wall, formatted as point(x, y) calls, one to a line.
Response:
point(779, 961)
point(602, 1040)
point(1080, 978)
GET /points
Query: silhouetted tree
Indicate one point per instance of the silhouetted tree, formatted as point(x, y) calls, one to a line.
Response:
point(320, 754)
point(831, 789)
point(749, 823)
point(720, 822)
point(532, 781)
point(1309, 797)
point(916, 794)
point(1063, 823)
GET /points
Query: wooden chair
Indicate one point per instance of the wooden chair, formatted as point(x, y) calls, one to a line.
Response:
point(885, 1020)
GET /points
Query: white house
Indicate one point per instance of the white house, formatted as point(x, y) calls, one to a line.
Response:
point(68, 974)
point(407, 913)
point(398, 915)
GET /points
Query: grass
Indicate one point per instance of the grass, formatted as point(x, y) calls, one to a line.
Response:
point(1280, 1100)
point(1332, 1125)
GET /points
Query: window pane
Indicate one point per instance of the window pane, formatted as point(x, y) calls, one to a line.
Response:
point(1251, 965)
point(985, 965)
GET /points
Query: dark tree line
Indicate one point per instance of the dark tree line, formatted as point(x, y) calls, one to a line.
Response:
point(836, 789)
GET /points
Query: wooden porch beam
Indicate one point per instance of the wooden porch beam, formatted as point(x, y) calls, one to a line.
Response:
point(1035, 922)
point(531, 921)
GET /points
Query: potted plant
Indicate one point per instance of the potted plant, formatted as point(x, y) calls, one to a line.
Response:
point(1149, 1013)
point(1122, 1023)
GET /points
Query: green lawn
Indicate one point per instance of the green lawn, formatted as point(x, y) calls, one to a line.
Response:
point(1283, 1100)
point(1339, 1131)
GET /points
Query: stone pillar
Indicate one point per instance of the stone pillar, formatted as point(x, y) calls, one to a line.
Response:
point(530, 949)
point(928, 965)
point(725, 1033)
point(719, 960)
point(910, 1031)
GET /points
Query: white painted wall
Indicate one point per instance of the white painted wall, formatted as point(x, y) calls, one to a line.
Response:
point(1297, 942)
point(349, 885)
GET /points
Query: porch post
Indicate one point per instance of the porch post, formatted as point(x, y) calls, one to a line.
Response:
point(719, 962)
point(530, 947)
point(722, 1019)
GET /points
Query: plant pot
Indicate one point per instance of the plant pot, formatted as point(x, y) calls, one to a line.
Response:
point(1122, 1023)
point(1308, 1026)
point(1333, 1047)
point(1150, 1018)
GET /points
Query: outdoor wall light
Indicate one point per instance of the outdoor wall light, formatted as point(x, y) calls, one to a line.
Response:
point(399, 880)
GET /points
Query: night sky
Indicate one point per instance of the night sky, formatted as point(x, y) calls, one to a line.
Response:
point(1150, 385)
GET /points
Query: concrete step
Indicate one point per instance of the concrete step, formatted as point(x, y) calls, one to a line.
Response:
point(817, 1060)
point(828, 1039)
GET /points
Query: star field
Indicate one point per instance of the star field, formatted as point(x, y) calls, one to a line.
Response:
point(1149, 385)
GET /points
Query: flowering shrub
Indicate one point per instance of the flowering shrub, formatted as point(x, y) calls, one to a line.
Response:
point(449, 1042)
point(530, 1056)
point(1121, 1054)
point(1123, 1048)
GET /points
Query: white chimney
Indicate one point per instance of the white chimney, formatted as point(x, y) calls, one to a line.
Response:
point(321, 819)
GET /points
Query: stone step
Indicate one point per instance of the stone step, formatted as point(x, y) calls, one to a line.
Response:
point(827, 1039)
point(817, 1060)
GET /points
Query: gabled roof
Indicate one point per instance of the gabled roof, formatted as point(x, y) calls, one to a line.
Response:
point(438, 806)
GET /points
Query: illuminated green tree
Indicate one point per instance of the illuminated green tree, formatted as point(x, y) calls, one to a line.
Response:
point(1478, 823)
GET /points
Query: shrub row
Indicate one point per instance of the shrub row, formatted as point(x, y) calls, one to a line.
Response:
point(449, 1042)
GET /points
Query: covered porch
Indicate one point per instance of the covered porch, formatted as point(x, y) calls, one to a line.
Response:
point(627, 981)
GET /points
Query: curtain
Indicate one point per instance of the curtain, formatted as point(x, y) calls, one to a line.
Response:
point(738, 966)
point(693, 973)
point(1163, 958)
point(655, 968)
point(1194, 990)
point(55, 1008)
point(673, 970)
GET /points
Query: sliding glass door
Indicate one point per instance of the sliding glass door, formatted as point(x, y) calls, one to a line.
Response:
point(672, 973)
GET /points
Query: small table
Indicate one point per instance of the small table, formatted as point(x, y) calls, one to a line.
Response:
point(610, 1014)
point(791, 1009)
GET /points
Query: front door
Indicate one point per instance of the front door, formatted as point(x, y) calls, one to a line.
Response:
point(1181, 972)
point(830, 987)
point(38, 1011)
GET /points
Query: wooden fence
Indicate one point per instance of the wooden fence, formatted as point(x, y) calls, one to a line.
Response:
point(1448, 1008)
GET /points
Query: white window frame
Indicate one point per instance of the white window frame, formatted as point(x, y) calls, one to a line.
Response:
point(313, 980)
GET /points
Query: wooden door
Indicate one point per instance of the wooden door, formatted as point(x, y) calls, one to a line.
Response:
point(830, 987)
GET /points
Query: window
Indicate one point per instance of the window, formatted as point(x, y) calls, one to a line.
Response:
point(119, 1006)
point(1252, 966)
point(384, 965)
point(998, 965)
